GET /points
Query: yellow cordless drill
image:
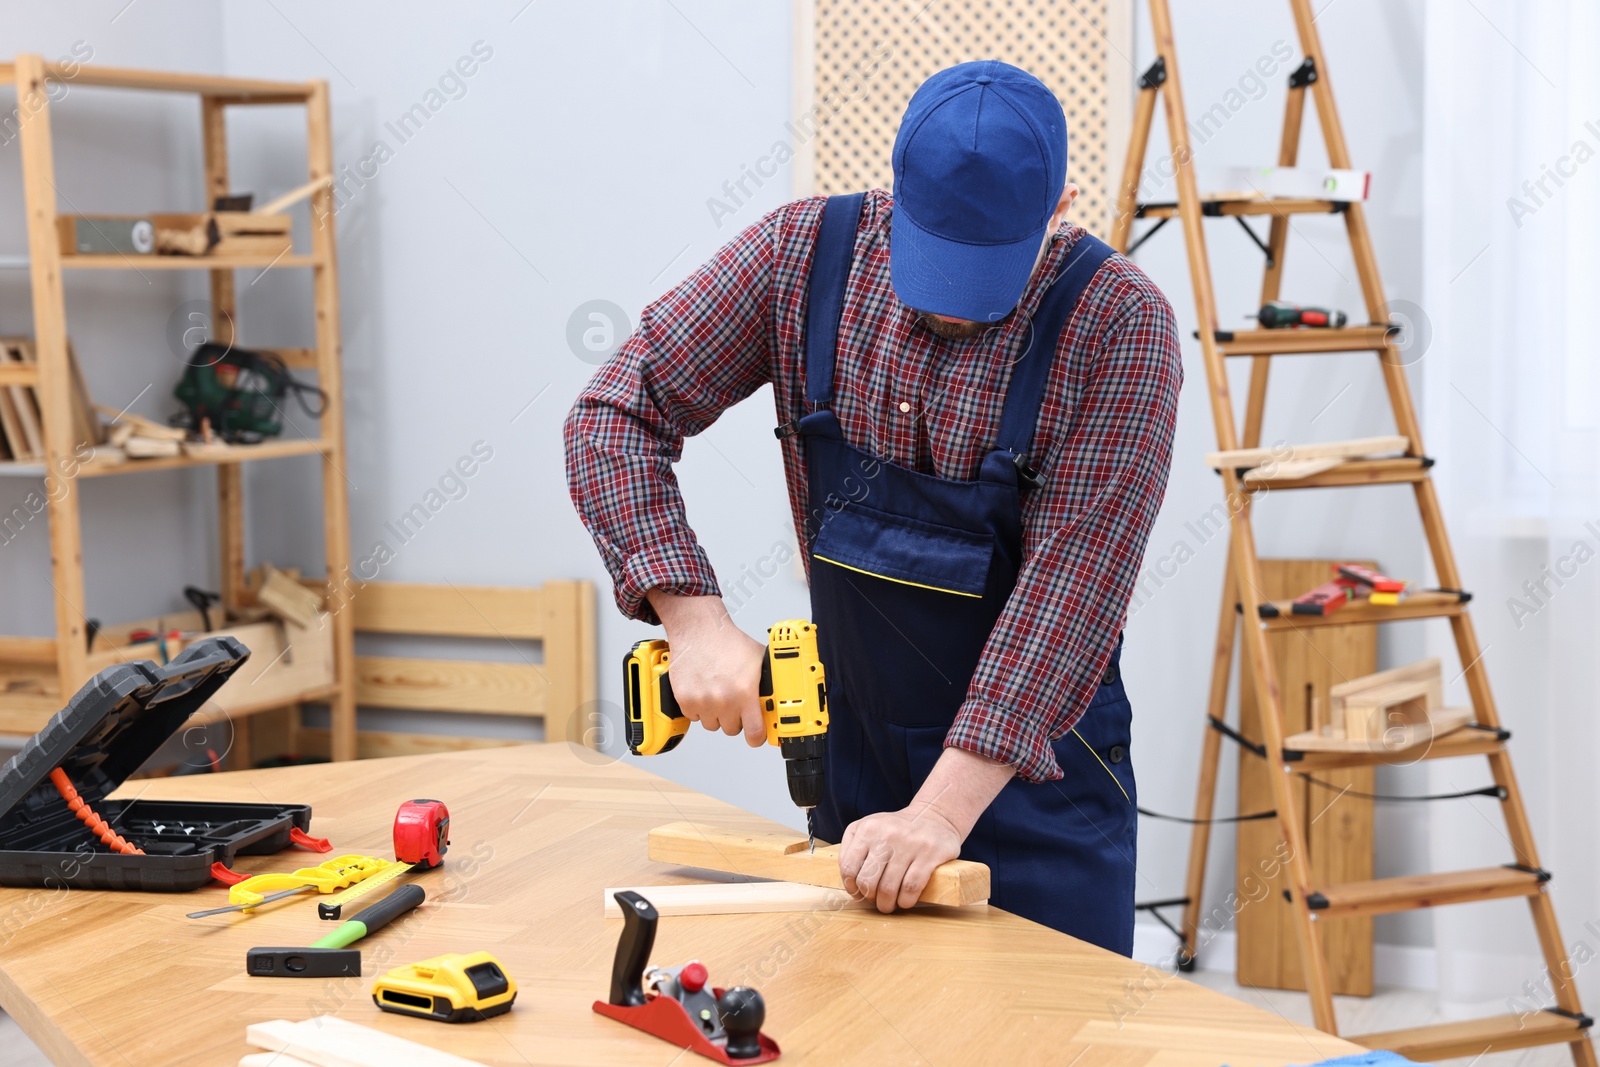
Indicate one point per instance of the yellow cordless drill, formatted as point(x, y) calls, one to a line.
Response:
point(794, 702)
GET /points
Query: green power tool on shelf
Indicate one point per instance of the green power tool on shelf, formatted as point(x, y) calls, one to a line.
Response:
point(241, 392)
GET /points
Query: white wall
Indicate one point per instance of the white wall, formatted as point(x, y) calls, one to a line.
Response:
point(574, 165)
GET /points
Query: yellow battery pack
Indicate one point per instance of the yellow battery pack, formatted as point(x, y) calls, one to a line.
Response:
point(655, 723)
point(455, 988)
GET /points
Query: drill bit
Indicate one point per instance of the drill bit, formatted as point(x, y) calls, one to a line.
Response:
point(811, 833)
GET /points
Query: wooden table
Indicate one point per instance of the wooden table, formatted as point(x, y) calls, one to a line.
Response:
point(538, 831)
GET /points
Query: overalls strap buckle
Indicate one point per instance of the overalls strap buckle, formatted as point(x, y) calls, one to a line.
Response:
point(1026, 473)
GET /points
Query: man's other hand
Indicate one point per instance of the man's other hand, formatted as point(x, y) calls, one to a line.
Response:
point(715, 667)
point(889, 857)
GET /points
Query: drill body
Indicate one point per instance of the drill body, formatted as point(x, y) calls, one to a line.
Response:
point(794, 703)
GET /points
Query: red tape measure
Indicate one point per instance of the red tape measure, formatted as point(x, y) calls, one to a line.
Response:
point(422, 832)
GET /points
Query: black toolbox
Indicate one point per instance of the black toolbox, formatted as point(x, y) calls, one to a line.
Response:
point(105, 733)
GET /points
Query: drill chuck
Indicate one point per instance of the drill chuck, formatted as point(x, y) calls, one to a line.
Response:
point(802, 761)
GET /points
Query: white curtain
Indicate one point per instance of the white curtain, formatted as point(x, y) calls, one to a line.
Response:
point(1510, 402)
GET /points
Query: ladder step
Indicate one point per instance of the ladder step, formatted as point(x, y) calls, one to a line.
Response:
point(1428, 604)
point(1471, 740)
point(1474, 1037)
point(1409, 892)
point(1231, 207)
point(1397, 471)
point(1304, 340)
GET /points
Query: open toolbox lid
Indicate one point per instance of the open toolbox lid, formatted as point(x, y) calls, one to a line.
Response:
point(113, 725)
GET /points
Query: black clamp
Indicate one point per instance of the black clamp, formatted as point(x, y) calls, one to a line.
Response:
point(1028, 475)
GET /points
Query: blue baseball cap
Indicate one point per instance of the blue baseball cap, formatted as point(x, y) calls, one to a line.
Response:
point(979, 165)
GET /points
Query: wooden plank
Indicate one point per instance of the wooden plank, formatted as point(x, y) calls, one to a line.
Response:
point(1426, 670)
point(1338, 834)
point(785, 857)
point(734, 898)
point(1290, 468)
point(1358, 448)
point(24, 409)
point(329, 1041)
point(450, 610)
point(288, 599)
point(381, 744)
point(451, 685)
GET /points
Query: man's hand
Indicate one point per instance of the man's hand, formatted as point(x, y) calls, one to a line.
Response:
point(889, 857)
point(715, 666)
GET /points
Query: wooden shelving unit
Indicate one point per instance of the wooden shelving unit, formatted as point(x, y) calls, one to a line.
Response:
point(57, 666)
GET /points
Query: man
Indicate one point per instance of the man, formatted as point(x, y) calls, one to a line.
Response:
point(976, 405)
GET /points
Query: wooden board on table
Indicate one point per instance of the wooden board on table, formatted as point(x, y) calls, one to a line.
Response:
point(787, 857)
point(733, 898)
point(329, 1041)
point(1338, 828)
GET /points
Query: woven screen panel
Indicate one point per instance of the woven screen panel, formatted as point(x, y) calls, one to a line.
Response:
point(872, 54)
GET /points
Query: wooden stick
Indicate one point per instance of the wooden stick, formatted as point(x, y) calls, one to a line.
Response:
point(784, 856)
point(293, 196)
point(735, 898)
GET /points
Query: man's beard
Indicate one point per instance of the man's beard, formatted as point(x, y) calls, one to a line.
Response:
point(956, 331)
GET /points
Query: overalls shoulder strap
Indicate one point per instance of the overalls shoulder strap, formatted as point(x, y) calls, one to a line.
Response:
point(830, 271)
point(1029, 377)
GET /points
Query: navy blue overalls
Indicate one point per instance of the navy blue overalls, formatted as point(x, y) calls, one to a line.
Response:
point(909, 573)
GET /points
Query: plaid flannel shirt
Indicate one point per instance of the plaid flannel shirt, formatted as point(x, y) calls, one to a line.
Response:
point(1103, 444)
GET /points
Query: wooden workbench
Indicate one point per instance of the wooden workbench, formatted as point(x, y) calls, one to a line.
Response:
point(538, 832)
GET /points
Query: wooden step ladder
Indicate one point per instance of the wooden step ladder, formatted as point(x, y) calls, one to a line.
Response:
point(1243, 606)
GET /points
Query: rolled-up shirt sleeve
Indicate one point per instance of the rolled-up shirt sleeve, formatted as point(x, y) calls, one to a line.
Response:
point(698, 350)
point(1084, 537)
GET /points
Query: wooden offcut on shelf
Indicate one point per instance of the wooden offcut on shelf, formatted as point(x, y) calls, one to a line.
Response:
point(1300, 461)
point(1391, 711)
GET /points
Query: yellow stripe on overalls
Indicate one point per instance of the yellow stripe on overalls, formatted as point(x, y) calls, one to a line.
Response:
point(901, 581)
point(1102, 763)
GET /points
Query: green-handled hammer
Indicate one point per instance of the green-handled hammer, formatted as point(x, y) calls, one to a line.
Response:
point(328, 957)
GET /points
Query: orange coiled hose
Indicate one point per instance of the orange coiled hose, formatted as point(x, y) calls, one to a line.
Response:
point(94, 822)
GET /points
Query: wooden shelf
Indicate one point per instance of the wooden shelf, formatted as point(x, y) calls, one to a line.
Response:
point(1468, 741)
point(210, 458)
point(1303, 341)
point(1474, 1037)
point(1214, 206)
point(42, 671)
point(243, 90)
point(1399, 470)
point(119, 262)
point(1429, 604)
point(1382, 896)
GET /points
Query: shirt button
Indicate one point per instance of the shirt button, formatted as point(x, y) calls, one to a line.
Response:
point(904, 407)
